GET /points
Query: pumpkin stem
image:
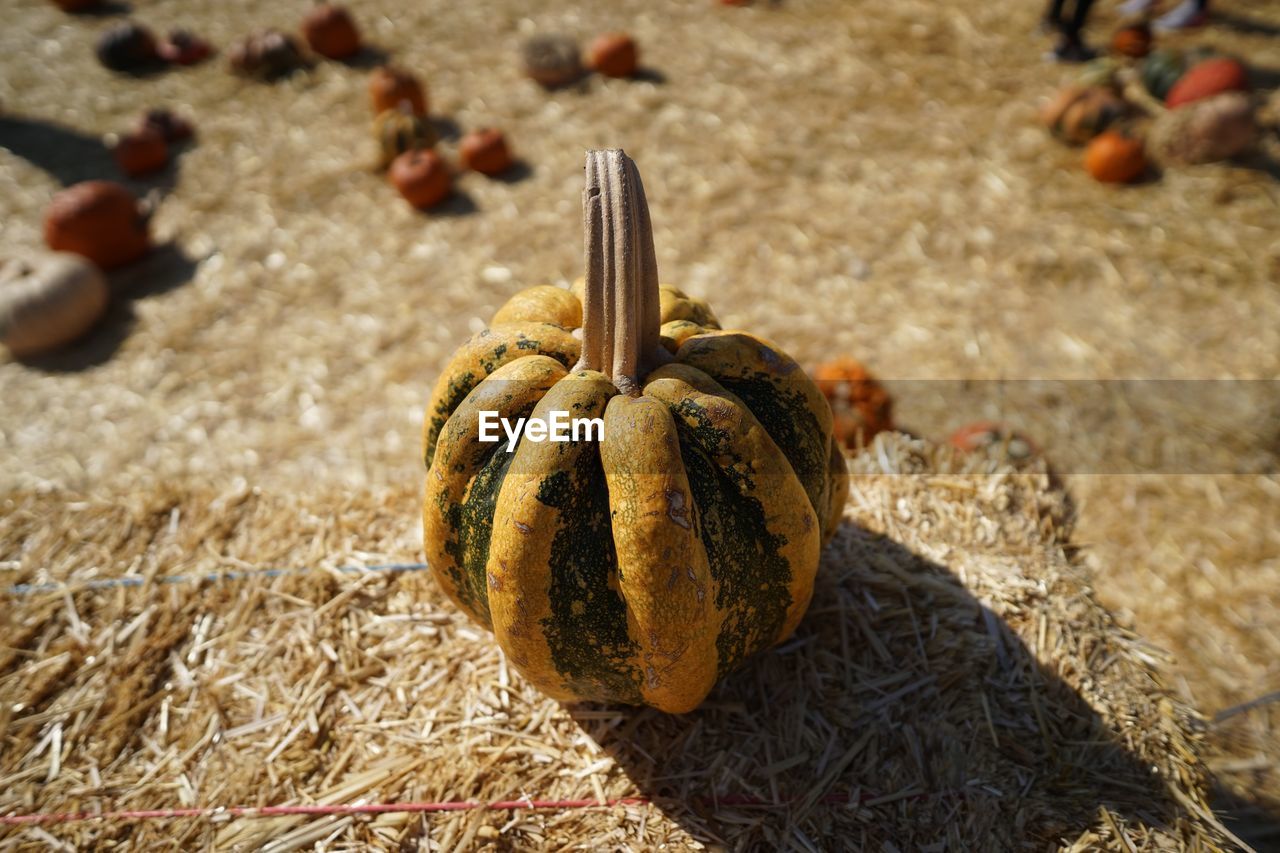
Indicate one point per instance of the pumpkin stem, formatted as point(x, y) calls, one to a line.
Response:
point(621, 316)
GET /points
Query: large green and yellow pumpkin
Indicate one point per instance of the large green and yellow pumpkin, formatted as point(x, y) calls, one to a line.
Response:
point(641, 567)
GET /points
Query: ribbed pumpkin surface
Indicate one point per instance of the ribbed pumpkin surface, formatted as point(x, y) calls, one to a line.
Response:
point(642, 567)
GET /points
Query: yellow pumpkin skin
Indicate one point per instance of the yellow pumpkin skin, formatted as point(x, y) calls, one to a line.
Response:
point(643, 567)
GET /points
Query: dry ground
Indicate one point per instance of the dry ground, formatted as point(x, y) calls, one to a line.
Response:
point(842, 176)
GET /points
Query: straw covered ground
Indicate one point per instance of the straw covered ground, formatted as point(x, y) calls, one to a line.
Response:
point(842, 177)
point(956, 682)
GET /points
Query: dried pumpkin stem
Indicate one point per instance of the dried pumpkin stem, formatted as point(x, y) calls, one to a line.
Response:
point(621, 315)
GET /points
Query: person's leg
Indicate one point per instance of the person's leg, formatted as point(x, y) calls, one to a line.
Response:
point(1071, 48)
point(1053, 14)
point(1078, 18)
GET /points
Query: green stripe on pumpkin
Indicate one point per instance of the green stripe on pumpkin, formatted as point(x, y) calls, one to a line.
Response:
point(750, 573)
point(587, 630)
point(780, 395)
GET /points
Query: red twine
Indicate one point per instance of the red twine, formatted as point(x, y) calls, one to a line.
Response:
point(379, 808)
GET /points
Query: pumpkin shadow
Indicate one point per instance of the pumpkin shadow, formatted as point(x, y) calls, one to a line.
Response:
point(1259, 162)
point(520, 170)
point(166, 267)
point(459, 203)
point(445, 127)
point(900, 698)
point(367, 58)
point(67, 154)
point(1243, 24)
point(1263, 77)
point(645, 74)
point(105, 9)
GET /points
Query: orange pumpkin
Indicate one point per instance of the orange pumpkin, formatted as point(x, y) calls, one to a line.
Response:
point(100, 220)
point(485, 151)
point(1133, 41)
point(390, 86)
point(613, 55)
point(141, 152)
point(422, 177)
point(173, 127)
point(331, 32)
point(1115, 158)
point(184, 48)
point(1206, 79)
point(860, 406)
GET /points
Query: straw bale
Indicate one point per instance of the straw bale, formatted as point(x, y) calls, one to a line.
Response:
point(880, 161)
point(954, 686)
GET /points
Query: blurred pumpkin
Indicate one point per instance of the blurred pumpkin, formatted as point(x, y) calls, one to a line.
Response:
point(331, 32)
point(717, 460)
point(1206, 131)
point(1078, 113)
point(100, 220)
point(613, 55)
point(172, 127)
point(860, 406)
point(988, 436)
point(141, 152)
point(1132, 40)
point(389, 87)
point(264, 55)
point(485, 151)
point(184, 48)
point(1160, 70)
point(1115, 158)
point(1103, 71)
point(422, 177)
point(401, 130)
point(47, 300)
point(1206, 79)
point(126, 46)
point(552, 60)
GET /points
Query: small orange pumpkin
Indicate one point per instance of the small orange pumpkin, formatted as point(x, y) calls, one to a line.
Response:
point(422, 177)
point(1133, 41)
point(331, 32)
point(1115, 158)
point(613, 55)
point(390, 86)
point(485, 151)
point(173, 127)
point(141, 152)
point(100, 220)
point(860, 406)
point(182, 47)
